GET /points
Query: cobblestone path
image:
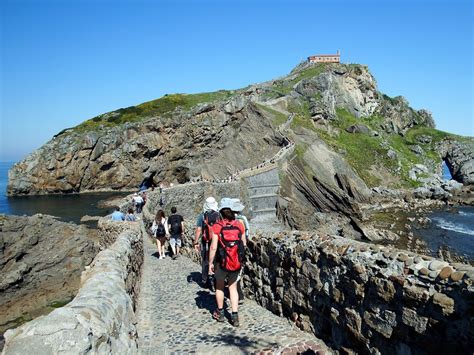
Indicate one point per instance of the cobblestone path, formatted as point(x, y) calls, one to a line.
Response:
point(174, 316)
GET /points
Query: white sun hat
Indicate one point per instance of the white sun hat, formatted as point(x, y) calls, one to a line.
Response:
point(238, 206)
point(210, 204)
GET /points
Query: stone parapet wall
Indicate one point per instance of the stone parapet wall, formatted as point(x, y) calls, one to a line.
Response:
point(101, 317)
point(363, 298)
point(110, 230)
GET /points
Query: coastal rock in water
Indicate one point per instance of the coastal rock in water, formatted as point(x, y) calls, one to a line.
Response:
point(459, 158)
point(41, 264)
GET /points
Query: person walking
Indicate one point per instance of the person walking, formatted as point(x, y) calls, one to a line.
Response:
point(160, 231)
point(202, 238)
point(117, 215)
point(176, 230)
point(138, 202)
point(130, 216)
point(225, 259)
point(238, 207)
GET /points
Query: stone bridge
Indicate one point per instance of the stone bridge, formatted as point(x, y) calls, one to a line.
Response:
point(306, 293)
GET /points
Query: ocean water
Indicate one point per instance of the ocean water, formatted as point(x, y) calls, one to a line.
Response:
point(452, 229)
point(69, 208)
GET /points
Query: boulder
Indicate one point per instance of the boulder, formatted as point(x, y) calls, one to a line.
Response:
point(41, 265)
point(358, 128)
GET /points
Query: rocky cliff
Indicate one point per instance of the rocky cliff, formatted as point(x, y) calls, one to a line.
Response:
point(341, 124)
point(41, 264)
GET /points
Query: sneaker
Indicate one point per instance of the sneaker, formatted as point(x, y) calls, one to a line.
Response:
point(174, 257)
point(234, 320)
point(162, 257)
point(218, 316)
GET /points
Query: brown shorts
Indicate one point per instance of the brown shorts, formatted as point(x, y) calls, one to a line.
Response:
point(221, 274)
point(162, 240)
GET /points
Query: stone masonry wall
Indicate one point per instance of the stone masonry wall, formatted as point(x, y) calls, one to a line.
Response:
point(363, 298)
point(101, 317)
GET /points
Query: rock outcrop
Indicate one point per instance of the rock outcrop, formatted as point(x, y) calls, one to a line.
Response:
point(174, 139)
point(101, 318)
point(41, 264)
point(459, 157)
point(175, 149)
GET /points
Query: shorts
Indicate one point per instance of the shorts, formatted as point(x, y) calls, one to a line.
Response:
point(222, 274)
point(175, 240)
point(162, 240)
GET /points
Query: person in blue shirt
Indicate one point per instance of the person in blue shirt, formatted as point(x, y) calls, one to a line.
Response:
point(117, 215)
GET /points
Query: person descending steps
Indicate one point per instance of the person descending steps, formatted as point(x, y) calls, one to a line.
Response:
point(204, 223)
point(226, 258)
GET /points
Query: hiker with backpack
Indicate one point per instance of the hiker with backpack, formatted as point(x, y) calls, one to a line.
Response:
point(226, 258)
point(176, 230)
point(238, 207)
point(204, 223)
point(160, 232)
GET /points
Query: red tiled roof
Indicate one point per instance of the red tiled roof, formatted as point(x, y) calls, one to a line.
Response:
point(324, 55)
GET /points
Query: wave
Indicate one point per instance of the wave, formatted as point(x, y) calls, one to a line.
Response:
point(462, 213)
point(444, 224)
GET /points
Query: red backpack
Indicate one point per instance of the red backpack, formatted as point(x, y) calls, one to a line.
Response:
point(209, 219)
point(230, 248)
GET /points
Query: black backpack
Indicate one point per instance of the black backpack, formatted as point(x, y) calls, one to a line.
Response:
point(175, 225)
point(210, 218)
point(160, 230)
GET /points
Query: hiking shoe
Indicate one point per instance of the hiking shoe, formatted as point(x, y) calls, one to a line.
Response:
point(218, 316)
point(234, 320)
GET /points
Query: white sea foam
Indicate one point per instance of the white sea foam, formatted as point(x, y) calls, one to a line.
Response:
point(470, 214)
point(459, 228)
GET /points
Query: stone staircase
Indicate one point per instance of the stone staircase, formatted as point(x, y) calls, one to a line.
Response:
point(263, 190)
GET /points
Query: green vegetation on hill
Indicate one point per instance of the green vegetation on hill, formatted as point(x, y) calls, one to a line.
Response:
point(283, 87)
point(366, 150)
point(278, 118)
point(159, 107)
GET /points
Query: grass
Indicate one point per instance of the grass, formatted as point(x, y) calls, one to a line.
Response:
point(362, 150)
point(283, 87)
point(435, 134)
point(312, 71)
point(278, 118)
point(159, 107)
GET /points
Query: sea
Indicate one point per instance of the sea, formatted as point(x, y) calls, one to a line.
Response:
point(452, 229)
point(67, 207)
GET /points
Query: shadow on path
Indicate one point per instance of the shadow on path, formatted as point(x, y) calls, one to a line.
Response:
point(206, 300)
point(244, 343)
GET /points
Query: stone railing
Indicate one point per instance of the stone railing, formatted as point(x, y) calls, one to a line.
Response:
point(101, 318)
point(363, 298)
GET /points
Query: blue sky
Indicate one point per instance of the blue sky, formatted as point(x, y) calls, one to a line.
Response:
point(63, 62)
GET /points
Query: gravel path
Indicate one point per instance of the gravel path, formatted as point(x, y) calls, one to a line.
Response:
point(174, 316)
